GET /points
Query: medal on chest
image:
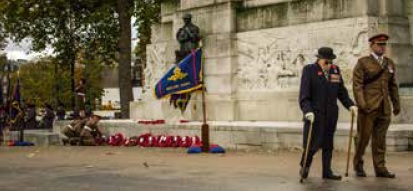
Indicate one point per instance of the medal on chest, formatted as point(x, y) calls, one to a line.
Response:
point(335, 76)
point(391, 71)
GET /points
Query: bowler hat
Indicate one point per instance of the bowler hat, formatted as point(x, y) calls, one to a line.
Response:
point(326, 53)
point(381, 37)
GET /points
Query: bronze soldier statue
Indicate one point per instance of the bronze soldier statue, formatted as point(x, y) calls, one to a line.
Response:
point(188, 38)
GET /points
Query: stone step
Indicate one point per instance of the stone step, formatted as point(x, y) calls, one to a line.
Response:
point(38, 137)
point(252, 135)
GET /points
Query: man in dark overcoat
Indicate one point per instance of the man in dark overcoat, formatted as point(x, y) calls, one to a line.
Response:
point(321, 86)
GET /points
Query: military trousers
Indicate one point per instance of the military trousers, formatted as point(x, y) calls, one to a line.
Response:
point(374, 125)
point(69, 133)
point(87, 141)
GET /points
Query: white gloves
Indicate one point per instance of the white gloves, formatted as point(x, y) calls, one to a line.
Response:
point(309, 116)
point(354, 109)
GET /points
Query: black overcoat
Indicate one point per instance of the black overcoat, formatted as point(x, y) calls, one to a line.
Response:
point(319, 95)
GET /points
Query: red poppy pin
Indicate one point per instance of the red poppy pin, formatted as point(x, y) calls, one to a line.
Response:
point(334, 66)
point(320, 73)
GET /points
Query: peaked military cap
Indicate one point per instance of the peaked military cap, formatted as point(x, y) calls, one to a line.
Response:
point(379, 37)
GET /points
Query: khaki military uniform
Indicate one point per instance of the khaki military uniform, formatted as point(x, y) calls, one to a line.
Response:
point(373, 100)
point(89, 134)
point(73, 130)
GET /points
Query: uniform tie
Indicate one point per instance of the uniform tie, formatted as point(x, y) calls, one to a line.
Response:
point(380, 59)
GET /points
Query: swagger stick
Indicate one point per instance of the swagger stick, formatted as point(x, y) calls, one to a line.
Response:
point(349, 143)
point(306, 150)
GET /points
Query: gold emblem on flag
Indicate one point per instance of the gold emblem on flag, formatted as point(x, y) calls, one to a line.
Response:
point(178, 75)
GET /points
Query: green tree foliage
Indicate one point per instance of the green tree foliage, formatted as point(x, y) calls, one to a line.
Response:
point(100, 27)
point(38, 81)
point(66, 26)
point(3, 61)
point(2, 38)
point(147, 13)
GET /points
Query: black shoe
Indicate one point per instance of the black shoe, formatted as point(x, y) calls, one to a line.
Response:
point(360, 172)
point(65, 142)
point(332, 177)
point(385, 174)
point(304, 172)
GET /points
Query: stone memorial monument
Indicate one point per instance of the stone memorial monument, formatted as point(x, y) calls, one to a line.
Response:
point(255, 50)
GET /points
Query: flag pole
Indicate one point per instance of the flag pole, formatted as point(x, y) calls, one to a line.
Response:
point(205, 126)
point(22, 126)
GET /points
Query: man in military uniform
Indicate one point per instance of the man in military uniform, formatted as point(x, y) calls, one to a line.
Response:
point(73, 130)
point(90, 132)
point(374, 82)
point(188, 38)
point(321, 85)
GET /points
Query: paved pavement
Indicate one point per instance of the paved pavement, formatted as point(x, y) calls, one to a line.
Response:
point(124, 169)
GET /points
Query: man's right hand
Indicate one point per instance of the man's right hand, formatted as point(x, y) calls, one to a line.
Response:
point(309, 116)
point(363, 108)
point(396, 111)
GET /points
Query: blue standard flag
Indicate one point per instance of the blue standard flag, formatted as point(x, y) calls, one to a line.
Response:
point(182, 78)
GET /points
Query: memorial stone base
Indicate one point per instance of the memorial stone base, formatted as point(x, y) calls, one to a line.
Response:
point(269, 136)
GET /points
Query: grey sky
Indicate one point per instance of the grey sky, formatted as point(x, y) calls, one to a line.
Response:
point(22, 50)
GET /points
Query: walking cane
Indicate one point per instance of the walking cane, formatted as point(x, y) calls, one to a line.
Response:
point(349, 143)
point(306, 150)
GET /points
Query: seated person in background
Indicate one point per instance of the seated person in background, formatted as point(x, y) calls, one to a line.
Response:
point(48, 118)
point(61, 112)
point(31, 122)
point(90, 134)
point(73, 130)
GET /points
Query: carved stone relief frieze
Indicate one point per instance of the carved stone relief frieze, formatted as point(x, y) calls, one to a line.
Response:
point(273, 59)
point(156, 65)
